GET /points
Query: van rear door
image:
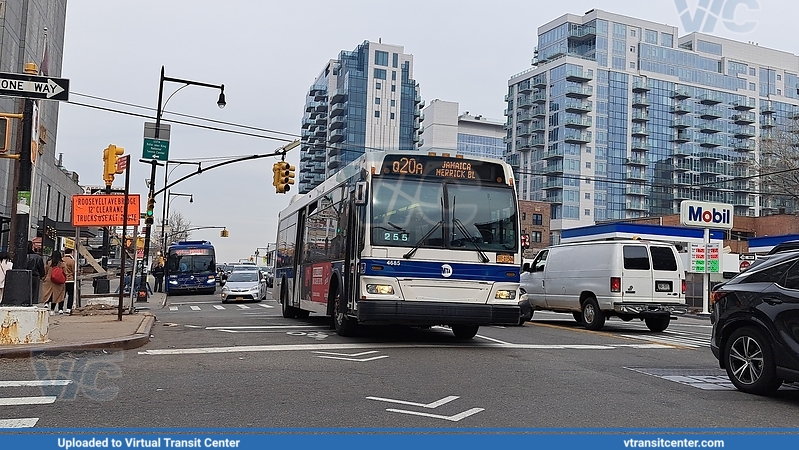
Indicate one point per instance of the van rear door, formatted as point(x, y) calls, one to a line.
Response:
point(636, 281)
point(667, 274)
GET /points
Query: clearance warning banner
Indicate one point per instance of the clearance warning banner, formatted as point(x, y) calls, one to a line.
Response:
point(104, 210)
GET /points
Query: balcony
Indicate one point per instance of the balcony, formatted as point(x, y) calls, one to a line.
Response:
point(684, 180)
point(579, 91)
point(550, 154)
point(577, 122)
point(711, 98)
point(538, 112)
point(639, 130)
point(681, 122)
point(537, 127)
point(638, 206)
point(767, 108)
point(580, 76)
point(710, 126)
point(638, 160)
point(635, 189)
point(337, 122)
point(680, 137)
point(525, 86)
point(339, 95)
point(641, 86)
point(680, 108)
point(553, 184)
point(305, 156)
point(711, 112)
point(318, 156)
point(709, 155)
point(577, 138)
point(640, 101)
point(554, 169)
point(743, 106)
point(639, 116)
point(710, 140)
point(680, 93)
point(538, 140)
point(524, 117)
point(767, 122)
point(540, 80)
point(637, 175)
point(743, 145)
point(539, 97)
point(524, 102)
point(320, 132)
point(743, 118)
point(554, 197)
point(640, 145)
point(744, 132)
point(334, 162)
point(336, 135)
point(338, 109)
point(523, 131)
point(681, 150)
point(683, 165)
point(577, 106)
point(682, 194)
point(582, 32)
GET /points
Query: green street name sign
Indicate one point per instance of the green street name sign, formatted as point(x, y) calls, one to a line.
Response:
point(156, 149)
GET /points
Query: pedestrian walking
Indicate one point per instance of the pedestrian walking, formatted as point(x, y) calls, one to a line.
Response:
point(69, 271)
point(159, 272)
point(55, 281)
point(35, 264)
point(5, 265)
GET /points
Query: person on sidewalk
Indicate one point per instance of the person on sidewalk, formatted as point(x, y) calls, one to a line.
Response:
point(54, 288)
point(159, 272)
point(5, 265)
point(69, 271)
point(35, 264)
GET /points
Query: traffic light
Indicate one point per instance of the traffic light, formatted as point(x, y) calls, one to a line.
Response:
point(284, 177)
point(224, 233)
point(4, 134)
point(110, 156)
point(148, 216)
point(276, 176)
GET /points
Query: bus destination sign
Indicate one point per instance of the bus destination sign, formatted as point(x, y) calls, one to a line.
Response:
point(443, 167)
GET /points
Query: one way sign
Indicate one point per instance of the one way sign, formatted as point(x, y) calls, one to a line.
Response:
point(32, 86)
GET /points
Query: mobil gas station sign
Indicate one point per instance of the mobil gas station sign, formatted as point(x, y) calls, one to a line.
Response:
point(706, 215)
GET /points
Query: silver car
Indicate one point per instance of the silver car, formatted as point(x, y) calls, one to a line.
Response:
point(243, 285)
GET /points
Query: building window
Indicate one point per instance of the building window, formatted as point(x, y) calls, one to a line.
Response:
point(587, 181)
point(393, 103)
point(751, 86)
point(393, 75)
point(538, 219)
point(393, 88)
point(752, 72)
point(378, 85)
point(377, 113)
point(535, 236)
point(524, 217)
point(632, 33)
point(779, 77)
point(377, 100)
point(667, 40)
point(587, 164)
point(588, 149)
point(779, 91)
point(381, 58)
point(651, 37)
point(380, 74)
point(395, 60)
point(392, 116)
point(588, 196)
point(632, 48)
point(632, 65)
point(587, 212)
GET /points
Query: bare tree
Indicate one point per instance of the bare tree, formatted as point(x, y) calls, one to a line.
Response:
point(176, 230)
point(778, 166)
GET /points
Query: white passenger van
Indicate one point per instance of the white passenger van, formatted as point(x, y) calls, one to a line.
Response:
point(631, 279)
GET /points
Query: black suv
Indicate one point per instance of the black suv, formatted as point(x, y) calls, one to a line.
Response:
point(756, 325)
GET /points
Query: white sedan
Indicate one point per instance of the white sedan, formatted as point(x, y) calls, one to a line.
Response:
point(243, 285)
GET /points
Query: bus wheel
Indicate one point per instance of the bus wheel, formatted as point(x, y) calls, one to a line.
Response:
point(303, 314)
point(465, 331)
point(288, 311)
point(344, 325)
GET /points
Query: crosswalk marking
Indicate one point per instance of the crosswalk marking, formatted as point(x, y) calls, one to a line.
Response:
point(243, 306)
point(41, 400)
point(265, 306)
point(26, 383)
point(194, 308)
point(19, 423)
point(173, 308)
point(218, 306)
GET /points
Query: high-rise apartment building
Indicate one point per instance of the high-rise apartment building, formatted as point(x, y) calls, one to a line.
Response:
point(365, 100)
point(443, 128)
point(620, 118)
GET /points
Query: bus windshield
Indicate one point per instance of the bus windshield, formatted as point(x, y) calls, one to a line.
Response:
point(475, 216)
point(177, 263)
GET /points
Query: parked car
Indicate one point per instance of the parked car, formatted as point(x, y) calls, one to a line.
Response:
point(243, 285)
point(755, 318)
point(594, 280)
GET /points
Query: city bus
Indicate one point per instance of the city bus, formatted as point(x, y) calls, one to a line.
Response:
point(190, 267)
point(404, 238)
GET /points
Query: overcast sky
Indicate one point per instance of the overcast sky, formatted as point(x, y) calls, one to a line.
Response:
point(267, 54)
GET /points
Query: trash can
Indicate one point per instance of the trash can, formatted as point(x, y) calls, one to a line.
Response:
point(102, 285)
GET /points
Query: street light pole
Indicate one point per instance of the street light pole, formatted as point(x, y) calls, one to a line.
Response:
point(170, 195)
point(154, 163)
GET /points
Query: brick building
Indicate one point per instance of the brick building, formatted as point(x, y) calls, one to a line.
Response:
point(535, 223)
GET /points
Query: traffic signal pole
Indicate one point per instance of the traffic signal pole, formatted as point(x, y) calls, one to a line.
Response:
point(142, 293)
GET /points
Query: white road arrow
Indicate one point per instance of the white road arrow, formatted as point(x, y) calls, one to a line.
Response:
point(353, 357)
point(435, 404)
point(454, 418)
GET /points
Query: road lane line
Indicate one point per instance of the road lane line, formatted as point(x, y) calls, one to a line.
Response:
point(265, 306)
point(173, 308)
point(13, 401)
point(268, 327)
point(243, 306)
point(35, 383)
point(19, 423)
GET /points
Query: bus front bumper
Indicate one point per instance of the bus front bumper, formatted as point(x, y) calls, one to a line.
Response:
point(435, 313)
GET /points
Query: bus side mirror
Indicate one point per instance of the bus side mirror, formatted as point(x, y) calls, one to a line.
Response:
point(360, 193)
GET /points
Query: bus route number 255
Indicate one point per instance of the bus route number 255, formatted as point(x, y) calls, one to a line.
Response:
point(395, 237)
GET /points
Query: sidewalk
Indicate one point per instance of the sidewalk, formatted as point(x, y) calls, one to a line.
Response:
point(93, 327)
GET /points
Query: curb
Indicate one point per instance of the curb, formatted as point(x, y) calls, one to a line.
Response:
point(136, 340)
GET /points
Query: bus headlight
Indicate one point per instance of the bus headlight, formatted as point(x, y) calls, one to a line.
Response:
point(505, 295)
point(380, 289)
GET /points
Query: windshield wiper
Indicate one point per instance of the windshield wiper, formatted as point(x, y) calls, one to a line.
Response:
point(397, 227)
point(412, 251)
point(459, 225)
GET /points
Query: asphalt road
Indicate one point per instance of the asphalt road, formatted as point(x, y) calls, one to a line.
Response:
point(243, 365)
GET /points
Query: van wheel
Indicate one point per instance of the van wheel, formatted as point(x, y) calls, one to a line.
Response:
point(578, 317)
point(465, 331)
point(593, 317)
point(657, 324)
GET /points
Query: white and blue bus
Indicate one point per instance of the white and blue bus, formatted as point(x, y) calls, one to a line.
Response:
point(404, 238)
point(190, 267)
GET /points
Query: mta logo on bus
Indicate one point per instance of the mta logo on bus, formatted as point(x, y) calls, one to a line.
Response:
point(706, 215)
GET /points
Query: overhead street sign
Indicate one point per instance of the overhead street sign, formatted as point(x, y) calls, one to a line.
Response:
point(32, 86)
